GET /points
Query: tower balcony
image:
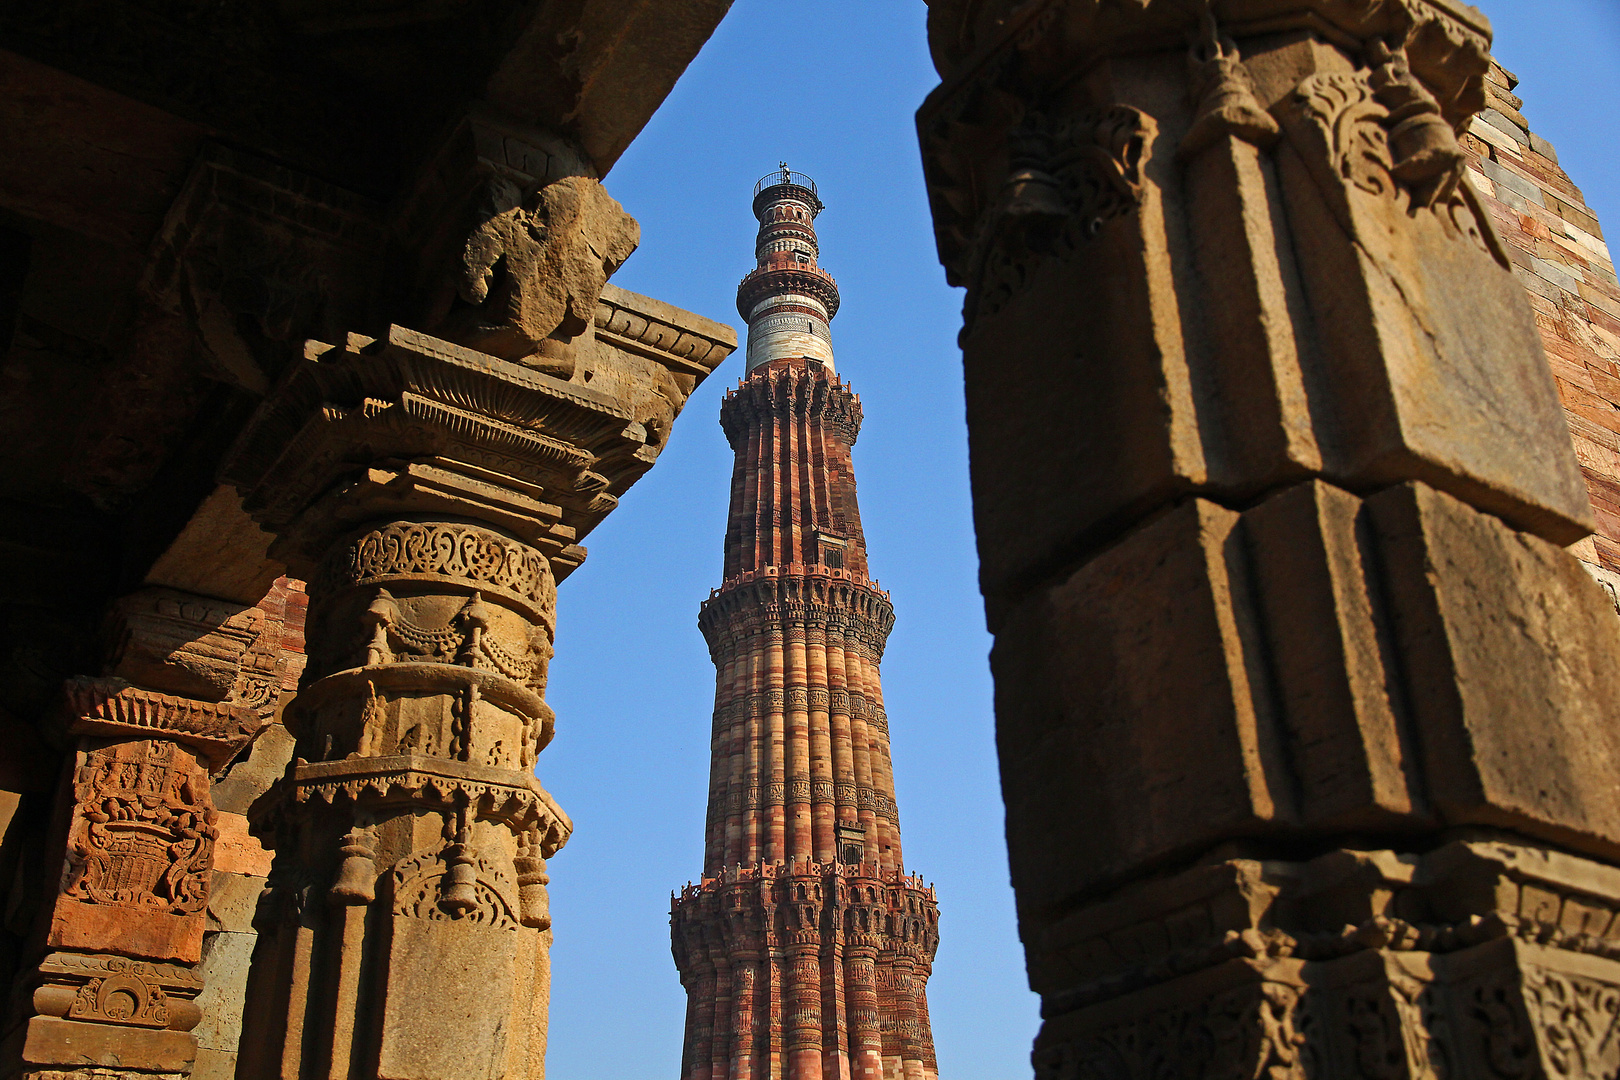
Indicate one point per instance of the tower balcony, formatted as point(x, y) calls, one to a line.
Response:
point(782, 273)
point(786, 184)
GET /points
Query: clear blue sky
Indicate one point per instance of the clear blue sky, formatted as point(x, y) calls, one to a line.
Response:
point(831, 87)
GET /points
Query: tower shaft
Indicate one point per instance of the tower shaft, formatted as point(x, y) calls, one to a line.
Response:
point(805, 948)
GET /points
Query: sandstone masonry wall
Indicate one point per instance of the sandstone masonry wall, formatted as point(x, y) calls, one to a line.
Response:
point(1558, 253)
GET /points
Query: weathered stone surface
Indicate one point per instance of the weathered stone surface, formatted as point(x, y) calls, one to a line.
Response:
point(213, 1065)
point(1269, 487)
point(251, 775)
point(236, 851)
point(68, 1043)
point(439, 1034)
point(220, 552)
point(1472, 954)
point(532, 272)
point(1511, 654)
point(1212, 266)
point(232, 899)
point(1255, 690)
point(224, 971)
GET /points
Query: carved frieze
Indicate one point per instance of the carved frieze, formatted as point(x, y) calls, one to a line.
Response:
point(108, 989)
point(1249, 1031)
point(494, 793)
point(217, 730)
point(143, 834)
point(430, 428)
point(446, 554)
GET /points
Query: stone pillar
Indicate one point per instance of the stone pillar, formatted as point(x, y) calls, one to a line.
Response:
point(803, 1006)
point(865, 1038)
point(117, 973)
point(1303, 710)
point(432, 495)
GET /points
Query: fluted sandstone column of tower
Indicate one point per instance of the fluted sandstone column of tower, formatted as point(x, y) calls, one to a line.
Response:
point(806, 948)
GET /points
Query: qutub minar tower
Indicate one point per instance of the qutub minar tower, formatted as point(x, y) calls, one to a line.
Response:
point(806, 948)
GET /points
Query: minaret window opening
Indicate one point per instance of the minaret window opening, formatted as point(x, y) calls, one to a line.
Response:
point(829, 549)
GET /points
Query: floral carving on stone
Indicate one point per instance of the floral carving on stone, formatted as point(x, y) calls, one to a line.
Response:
point(1381, 133)
point(464, 553)
point(127, 994)
point(144, 833)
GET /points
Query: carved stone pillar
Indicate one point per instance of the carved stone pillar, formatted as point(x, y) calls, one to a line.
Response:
point(1304, 712)
point(865, 1037)
point(432, 496)
point(116, 978)
point(803, 1012)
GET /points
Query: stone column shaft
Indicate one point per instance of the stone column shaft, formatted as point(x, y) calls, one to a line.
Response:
point(431, 496)
point(1294, 675)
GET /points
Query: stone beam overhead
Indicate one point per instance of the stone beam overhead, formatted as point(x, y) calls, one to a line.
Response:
point(596, 70)
point(1303, 706)
point(286, 75)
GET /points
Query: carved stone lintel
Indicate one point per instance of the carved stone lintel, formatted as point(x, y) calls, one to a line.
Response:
point(216, 731)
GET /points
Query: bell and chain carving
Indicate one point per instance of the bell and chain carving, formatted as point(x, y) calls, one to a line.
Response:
point(1067, 177)
point(1220, 87)
point(1381, 132)
point(455, 883)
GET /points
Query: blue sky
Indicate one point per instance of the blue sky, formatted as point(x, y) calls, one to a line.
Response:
point(831, 87)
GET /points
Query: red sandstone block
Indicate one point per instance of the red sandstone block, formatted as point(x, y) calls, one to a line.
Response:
point(1568, 372)
point(1608, 521)
point(1531, 227)
point(1605, 386)
point(1603, 436)
point(1558, 248)
point(1542, 306)
point(1549, 179)
point(1602, 318)
point(1608, 552)
point(1607, 291)
point(1575, 215)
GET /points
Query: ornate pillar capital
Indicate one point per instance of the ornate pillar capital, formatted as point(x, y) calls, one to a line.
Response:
point(433, 496)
